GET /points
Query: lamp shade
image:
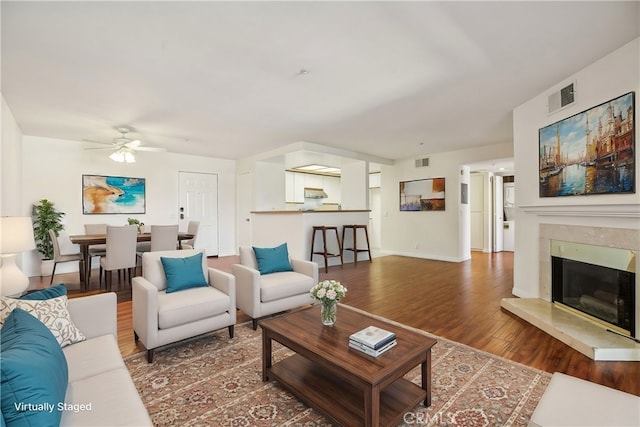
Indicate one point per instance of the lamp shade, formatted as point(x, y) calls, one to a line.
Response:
point(16, 234)
point(123, 155)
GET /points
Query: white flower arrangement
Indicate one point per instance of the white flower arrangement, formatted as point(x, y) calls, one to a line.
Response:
point(328, 291)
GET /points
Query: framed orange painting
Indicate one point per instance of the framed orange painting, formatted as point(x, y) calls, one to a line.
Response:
point(422, 195)
point(103, 194)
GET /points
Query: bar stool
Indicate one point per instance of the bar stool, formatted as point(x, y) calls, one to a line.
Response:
point(354, 248)
point(324, 252)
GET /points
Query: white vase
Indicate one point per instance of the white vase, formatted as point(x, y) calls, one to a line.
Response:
point(46, 267)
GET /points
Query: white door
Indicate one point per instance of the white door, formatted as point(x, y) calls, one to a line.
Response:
point(476, 205)
point(198, 201)
point(244, 209)
point(498, 215)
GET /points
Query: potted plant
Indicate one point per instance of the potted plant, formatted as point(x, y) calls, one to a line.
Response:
point(137, 223)
point(46, 217)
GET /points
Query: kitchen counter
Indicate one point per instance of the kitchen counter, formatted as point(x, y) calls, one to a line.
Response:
point(271, 228)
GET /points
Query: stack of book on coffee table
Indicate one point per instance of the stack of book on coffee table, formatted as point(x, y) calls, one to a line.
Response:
point(372, 340)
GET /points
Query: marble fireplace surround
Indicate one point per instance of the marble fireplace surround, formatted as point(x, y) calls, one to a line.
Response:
point(583, 335)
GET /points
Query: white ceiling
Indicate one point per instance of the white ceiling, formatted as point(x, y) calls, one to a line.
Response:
point(222, 79)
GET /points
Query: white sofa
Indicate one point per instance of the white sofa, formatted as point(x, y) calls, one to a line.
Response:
point(97, 374)
point(263, 295)
point(574, 402)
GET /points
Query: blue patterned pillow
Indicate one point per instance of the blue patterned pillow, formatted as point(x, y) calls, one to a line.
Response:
point(34, 372)
point(273, 260)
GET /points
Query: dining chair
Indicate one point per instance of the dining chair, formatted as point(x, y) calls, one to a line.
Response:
point(120, 253)
point(66, 253)
point(192, 228)
point(96, 250)
point(163, 238)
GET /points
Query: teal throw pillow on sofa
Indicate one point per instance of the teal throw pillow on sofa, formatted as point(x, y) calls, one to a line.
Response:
point(273, 260)
point(48, 293)
point(184, 273)
point(34, 372)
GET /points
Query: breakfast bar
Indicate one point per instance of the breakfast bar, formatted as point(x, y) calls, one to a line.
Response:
point(269, 228)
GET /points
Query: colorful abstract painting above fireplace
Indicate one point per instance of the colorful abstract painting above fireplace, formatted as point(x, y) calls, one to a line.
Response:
point(591, 152)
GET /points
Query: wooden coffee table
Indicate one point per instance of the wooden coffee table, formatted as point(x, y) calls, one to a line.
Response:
point(346, 385)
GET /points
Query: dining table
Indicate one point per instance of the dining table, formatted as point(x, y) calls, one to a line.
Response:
point(87, 240)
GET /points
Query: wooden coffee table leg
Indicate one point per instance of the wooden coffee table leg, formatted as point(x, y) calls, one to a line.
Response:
point(266, 355)
point(426, 378)
point(372, 406)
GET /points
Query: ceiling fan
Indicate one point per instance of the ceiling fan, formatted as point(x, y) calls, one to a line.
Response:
point(124, 147)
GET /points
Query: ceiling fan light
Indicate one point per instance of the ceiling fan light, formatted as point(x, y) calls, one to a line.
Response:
point(117, 156)
point(129, 157)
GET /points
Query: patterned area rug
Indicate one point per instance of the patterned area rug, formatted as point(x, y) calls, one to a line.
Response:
point(216, 381)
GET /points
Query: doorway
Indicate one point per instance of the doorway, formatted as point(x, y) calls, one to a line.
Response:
point(489, 230)
point(198, 201)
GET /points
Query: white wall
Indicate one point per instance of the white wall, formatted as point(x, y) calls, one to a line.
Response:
point(53, 169)
point(354, 185)
point(11, 172)
point(464, 215)
point(269, 186)
point(11, 163)
point(439, 234)
point(477, 207)
point(614, 75)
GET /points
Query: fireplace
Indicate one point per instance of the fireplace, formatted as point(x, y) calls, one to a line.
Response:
point(586, 333)
point(596, 282)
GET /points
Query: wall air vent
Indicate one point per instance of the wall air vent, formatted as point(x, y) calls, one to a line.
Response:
point(421, 163)
point(562, 98)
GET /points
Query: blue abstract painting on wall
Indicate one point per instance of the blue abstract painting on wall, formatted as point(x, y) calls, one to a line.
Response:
point(592, 152)
point(112, 195)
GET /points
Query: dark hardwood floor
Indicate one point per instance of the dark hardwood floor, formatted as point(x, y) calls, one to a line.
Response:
point(457, 301)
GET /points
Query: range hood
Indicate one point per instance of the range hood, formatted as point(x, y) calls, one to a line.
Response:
point(314, 193)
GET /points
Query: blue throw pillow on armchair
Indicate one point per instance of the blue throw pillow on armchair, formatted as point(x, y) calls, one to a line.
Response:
point(184, 273)
point(273, 260)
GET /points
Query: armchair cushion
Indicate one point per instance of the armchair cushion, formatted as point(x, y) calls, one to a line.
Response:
point(282, 285)
point(153, 271)
point(183, 273)
point(190, 305)
point(273, 260)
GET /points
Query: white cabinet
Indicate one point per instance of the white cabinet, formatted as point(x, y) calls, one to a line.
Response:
point(509, 236)
point(289, 186)
point(331, 186)
point(374, 180)
point(312, 181)
point(298, 188)
point(295, 183)
point(294, 191)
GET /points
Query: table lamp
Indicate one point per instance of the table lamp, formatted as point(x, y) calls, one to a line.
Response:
point(16, 235)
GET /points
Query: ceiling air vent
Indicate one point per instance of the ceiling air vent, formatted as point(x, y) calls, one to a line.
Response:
point(421, 163)
point(562, 98)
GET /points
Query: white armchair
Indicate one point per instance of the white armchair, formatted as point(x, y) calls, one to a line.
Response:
point(263, 295)
point(161, 318)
